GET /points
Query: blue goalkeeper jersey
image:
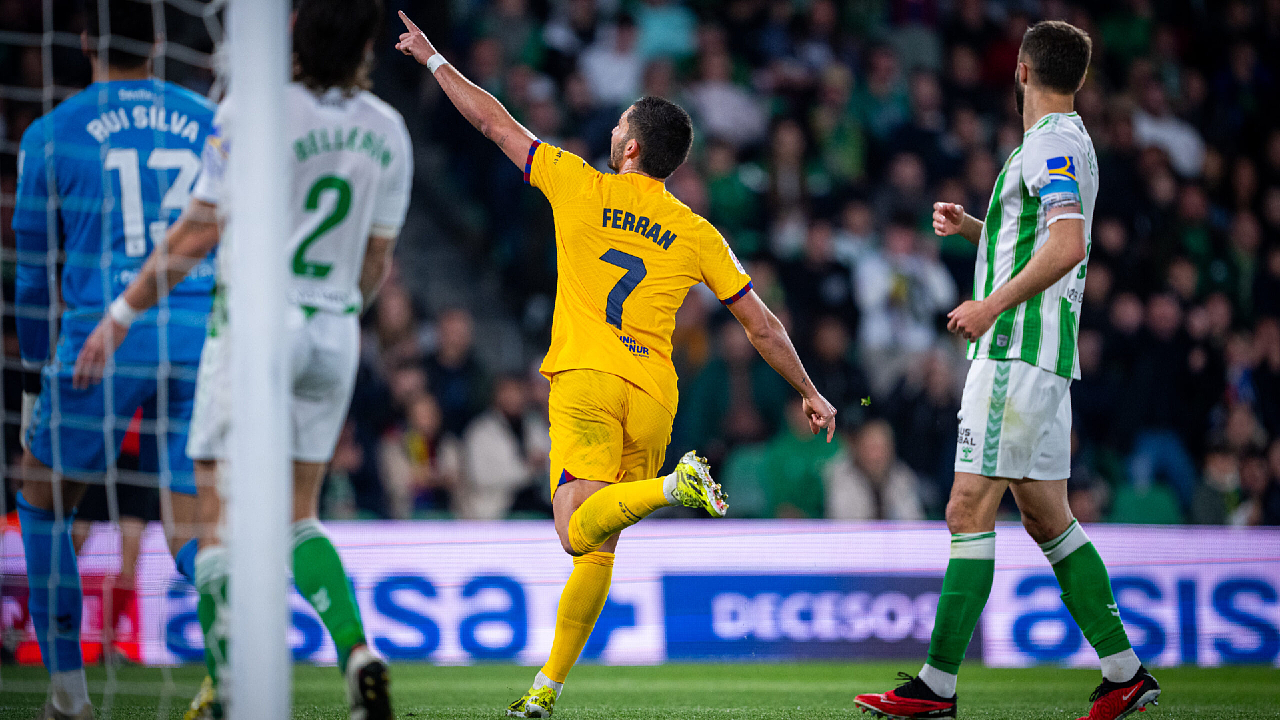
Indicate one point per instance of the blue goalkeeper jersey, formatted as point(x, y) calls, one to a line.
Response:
point(101, 178)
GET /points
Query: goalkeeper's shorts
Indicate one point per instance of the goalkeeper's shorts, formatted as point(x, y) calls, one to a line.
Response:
point(604, 428)
point(70, 428)
point(324, 354)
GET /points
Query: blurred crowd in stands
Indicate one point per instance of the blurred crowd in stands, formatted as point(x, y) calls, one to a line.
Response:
point(825, 130)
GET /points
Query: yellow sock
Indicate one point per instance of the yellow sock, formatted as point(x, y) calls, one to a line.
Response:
point(580, 605)
point(612, 509)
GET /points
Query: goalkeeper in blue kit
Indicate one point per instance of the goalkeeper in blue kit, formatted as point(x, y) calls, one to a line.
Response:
point(101, 177)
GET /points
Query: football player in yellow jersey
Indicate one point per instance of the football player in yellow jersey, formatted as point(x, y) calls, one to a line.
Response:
point(627, 253)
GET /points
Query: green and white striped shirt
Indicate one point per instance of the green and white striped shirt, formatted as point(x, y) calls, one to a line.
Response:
point(1041, 331)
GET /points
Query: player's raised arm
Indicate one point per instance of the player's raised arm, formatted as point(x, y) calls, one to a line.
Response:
point(481, 109)
point(189, 241)
point(766, 333)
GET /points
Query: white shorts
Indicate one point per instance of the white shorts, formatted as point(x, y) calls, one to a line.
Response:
point(1015, 422)
point(323, 358)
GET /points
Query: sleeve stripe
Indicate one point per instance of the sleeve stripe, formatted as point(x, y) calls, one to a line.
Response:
point(528, 163)
point(737, 296)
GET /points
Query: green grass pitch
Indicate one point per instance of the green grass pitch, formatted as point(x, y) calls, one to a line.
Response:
point(696, 692)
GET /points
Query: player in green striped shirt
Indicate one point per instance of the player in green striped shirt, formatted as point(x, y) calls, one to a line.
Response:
point(1015, 416)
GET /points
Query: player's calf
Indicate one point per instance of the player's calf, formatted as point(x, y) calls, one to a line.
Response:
point(55, 602)
point(621, 505)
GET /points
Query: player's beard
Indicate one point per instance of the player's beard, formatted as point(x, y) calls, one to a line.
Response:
point(1019, 94)
point(615, 154)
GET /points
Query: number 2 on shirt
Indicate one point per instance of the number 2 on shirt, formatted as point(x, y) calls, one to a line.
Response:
point(635, 272)
point(339, 213)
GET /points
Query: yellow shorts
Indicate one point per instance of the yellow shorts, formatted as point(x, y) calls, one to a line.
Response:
point(604, 428)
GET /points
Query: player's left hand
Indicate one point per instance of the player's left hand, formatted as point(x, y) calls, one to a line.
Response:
point(821, 414)
point(414, 43)
point(101, 344)
point(971, 320)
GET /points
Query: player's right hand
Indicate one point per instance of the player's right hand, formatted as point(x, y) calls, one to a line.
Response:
point(100, 345)
point(947, 218)
point(821, 414)
point(414, 43)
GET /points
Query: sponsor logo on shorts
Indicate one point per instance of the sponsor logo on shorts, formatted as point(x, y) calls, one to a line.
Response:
point(968, 444)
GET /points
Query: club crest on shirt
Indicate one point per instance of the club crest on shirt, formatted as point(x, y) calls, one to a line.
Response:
point(1061, 168)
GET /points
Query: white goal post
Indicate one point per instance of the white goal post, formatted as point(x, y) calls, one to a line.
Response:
point(258, 480)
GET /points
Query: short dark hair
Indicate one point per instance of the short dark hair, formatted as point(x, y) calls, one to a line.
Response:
point(131, 31)
point(1058, 53)
point(665, 134)
point(329, 39)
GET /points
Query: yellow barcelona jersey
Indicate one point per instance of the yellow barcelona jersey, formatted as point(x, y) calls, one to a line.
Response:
point(627, 253)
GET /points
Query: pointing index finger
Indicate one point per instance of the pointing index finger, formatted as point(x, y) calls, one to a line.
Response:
point(409, 23)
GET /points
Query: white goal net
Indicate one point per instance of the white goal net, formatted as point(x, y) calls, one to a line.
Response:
point(123, 440)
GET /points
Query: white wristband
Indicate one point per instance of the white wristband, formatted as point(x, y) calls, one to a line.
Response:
point(122, 312)
point(435, 62)
point(1064, 216)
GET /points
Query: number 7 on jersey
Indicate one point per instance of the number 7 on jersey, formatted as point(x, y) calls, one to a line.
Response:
point(626, 284)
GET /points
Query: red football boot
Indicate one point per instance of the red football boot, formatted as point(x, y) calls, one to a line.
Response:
point(1112, 701)
point(913, 699)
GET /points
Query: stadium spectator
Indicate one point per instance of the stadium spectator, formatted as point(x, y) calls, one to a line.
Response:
point(867, 481)
point(505, 450)
point(420, 463)
point(570, 30)
point(1151, 399)
point(817, 287)
point(922, 135)
point(1258, 498)
point(736, 398)
point(923, 407)
point(830, 366)
point(880, 103)
point(733, 198)
point(856, 235)
point(901, 290)
point(794, 185)
point(725, 110)
point(837, 133)
point(454, 374)
point(612, 66)
point(1218, 494)
point(906, 191)
point(666, 29)
point(1154, 125)
point(792, 468)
